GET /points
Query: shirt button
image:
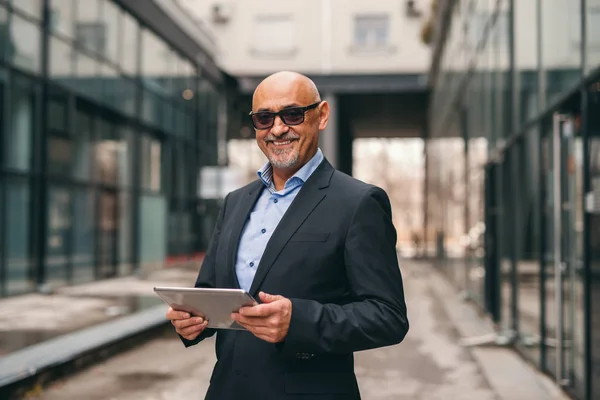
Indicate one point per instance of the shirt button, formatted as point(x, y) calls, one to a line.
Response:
point(275, 200)
point(263, 230)
point(252, 264)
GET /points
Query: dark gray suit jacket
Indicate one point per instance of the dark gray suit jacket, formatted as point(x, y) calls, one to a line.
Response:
point(334, 255)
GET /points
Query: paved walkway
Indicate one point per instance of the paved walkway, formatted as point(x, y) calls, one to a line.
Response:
point(429, 364)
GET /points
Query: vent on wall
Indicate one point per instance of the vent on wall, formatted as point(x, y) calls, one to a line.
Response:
point(221, 13)
point(411, 9)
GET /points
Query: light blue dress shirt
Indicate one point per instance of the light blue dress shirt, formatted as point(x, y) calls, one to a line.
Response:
point(265, 216)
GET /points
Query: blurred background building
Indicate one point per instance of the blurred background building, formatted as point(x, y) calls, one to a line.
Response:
point(108, 111)
point(513, 161)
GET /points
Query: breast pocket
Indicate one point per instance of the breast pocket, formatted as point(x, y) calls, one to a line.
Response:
point(309, 237)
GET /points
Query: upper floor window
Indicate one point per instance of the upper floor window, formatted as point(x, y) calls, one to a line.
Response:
point(92, 36)
point(274, 35)
point(371, 30)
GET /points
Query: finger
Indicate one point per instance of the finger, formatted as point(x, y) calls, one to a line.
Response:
point(184, 323)
point(249, 321)
point(269, 298)
point(261, 310)
point(192, 329)
point(267, 334)
point(174, 314)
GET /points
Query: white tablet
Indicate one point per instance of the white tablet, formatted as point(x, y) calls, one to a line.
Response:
point(216, 305)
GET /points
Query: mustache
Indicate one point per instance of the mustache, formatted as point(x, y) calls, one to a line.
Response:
point(288, 136)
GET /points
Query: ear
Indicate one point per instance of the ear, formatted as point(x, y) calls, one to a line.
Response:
point(323, 115)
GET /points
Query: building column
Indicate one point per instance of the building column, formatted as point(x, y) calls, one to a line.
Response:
point(328, 142)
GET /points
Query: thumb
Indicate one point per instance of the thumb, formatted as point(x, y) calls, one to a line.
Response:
point(268, 298)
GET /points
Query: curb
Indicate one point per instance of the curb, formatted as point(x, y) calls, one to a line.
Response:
point(36, 366)
point(509, 375)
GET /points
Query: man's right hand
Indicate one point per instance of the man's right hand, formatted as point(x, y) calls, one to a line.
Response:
point(187, 326)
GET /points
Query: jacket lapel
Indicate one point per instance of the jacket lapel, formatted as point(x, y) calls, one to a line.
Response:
point(309, 196)
point(241, 217)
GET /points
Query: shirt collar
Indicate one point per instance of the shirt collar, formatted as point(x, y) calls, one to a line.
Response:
point(266, 172)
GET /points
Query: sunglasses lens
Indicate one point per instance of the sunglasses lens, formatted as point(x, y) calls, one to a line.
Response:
point(293, 117)
point(262, 120)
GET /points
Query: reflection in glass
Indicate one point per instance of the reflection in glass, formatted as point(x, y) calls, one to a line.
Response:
point(129, 44)
point(561, 46)
point(20, 131)
point(527, 229)
point(82, 142)
point(111, 16)
point(124, 265)
point(151, 163)
point(593, 157)
point(106, 148)
point(153, 229)
point(526, 58)
point(25, 51)
point(592, 45)
point(17, 219)
point(59, 234)
point(32, 8)
point(61, 17)
point(60, 153)
point(83, 236)
point(107, 234)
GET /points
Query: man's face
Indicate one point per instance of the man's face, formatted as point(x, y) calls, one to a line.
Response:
point(288, 147)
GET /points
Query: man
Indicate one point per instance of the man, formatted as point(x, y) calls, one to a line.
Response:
point(315, 247)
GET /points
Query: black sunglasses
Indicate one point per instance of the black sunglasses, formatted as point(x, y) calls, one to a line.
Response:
point(290, 116)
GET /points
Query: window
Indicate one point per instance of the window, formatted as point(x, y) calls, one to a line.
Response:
point(274, 35)
point(92, 36)
point(371, 30)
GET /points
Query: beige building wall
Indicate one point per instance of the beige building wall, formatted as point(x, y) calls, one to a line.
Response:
point(317, 36)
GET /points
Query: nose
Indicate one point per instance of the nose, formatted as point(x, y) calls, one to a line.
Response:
point(279, 128)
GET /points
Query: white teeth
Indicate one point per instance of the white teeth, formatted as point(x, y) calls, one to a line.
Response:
point(282, 143)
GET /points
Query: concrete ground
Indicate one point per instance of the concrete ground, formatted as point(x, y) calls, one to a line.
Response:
point(430, 364)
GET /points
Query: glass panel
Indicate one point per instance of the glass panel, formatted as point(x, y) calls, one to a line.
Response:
point(61, 16)
point(157, 62)
point(5, 42)
point(25, 51)
point(59, 233)
point(526, 58)
point(83, 150)
point(60, 153)
point(129, 47)
point(112, 22)
point(109, 78)
point(90, 31)
point(106, 160)
point(18, 256)
point(20, 130)
point(150, 158)
point(83, 236)
point(528, 243)
point(124, 154)
point(561, 46)
point(87, 68)
point(593, 243)
point(61, 62)
point(125, 267)
point(152, 228)
point(31, 7)
point(592, 45)
point(107, 234)
point(549, 288)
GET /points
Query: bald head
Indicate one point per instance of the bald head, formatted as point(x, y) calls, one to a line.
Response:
point(285, 83)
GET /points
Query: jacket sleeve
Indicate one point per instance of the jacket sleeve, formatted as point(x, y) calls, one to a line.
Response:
point(207, 276)
point(377, 317)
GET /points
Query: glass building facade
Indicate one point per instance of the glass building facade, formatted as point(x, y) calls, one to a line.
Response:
point(513, 174)
point(104, 127)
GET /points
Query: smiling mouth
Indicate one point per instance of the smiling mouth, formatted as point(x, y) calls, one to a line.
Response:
point(281, 142)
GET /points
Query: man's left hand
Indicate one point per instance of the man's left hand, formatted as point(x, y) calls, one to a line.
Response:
point(269, 321)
